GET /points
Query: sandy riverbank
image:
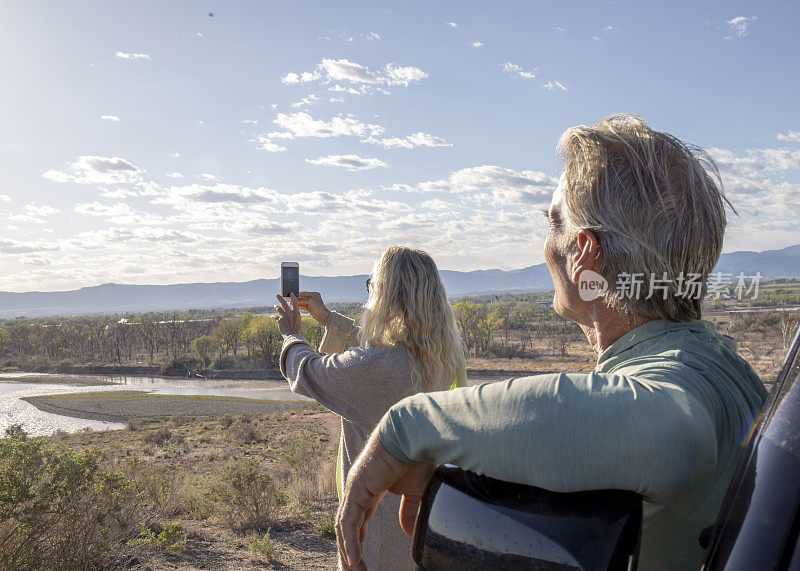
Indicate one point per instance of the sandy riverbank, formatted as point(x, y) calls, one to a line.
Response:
point(121, 406)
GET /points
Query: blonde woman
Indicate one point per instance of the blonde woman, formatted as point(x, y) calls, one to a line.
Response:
point(407, 343)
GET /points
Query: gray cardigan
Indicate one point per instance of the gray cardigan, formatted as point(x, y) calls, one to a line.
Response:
point(359, 383)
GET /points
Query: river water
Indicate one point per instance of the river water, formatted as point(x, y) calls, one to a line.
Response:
point(15, 386)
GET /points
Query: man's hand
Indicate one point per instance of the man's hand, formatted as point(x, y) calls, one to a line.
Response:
point(289, 321)
point(374, 473)
point(311, 301)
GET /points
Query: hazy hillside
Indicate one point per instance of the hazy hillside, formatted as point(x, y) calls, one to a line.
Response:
point(113, 298)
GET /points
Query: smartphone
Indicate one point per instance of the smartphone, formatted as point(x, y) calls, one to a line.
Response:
point(290, 279)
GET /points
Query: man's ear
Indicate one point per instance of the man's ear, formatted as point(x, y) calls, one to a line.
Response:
point(587, 256)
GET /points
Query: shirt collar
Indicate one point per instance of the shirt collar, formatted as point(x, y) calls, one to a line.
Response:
point(650, 330)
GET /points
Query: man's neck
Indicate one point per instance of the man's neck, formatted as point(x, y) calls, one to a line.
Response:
point(605, 327)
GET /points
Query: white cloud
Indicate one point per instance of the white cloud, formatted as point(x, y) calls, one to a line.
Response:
point(268, 145)
point(740, 26)
point(791, 136)
point(350, 162)
point(608, 28)
point(551, 85)
point(20, 247)
point(514, 69)
point(295, 78)
point(597, 38)
point(116, 193)
point(199, 35)
point(302, 124)
point(120, 213)
point(353, 201)
point(124, 55)
point(98, 170)
point(753, 182)
point(310, 99)
point(113, 118)
point(477, 44)
point(452, 24)
point(122, 235)
point(364, 79)
point(25, 219)
point(559, 29)
point(403, 75)
point(40, 210)
point(279, 135)
point(175, 155)
point(174, 175)
point(219, 193)
point(418, 139)
point(436, 204)
point(208, 177)
point(502, 184)
point(777, 159)
point(5, 198)
point(371, 36)
point(345, 70)
point(250, 122)
point(747, 174)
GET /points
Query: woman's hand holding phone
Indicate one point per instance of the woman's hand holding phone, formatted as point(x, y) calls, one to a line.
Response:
point(311, 301)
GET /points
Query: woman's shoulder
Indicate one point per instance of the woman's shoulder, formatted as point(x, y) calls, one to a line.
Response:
point(373, 354)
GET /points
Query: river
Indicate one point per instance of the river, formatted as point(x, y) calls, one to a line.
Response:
point(15, 386)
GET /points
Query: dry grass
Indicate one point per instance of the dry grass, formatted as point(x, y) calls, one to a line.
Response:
point(221, 484)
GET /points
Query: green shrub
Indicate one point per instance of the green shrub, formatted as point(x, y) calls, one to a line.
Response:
point(167, 538)
point(327, 528)
point(263, 548)
point(301, 450)
point(181, 367)
point(249, 496)
point(134, 424)
point(158, 437)
point(224, 363)
point(16, 431)
point(246, 434)
point(59, 509)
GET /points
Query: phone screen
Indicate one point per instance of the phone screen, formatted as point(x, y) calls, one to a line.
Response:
point(290, 280)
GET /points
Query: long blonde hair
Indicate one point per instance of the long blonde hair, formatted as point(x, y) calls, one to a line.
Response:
point(408, 308)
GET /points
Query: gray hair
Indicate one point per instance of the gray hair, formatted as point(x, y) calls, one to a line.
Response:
point(656, 206)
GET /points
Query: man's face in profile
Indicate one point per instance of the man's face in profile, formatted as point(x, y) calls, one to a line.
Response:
point(557, 262)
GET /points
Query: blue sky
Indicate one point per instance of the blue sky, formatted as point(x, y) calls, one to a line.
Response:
point(154, 142)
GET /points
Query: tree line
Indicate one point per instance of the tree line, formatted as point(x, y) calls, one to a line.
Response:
point(222, 339)
point(168, 340)
point(491, 326)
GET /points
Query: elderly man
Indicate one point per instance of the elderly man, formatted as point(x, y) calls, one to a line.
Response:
point(635, 227)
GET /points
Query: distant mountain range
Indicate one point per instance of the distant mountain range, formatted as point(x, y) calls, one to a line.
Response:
point(121, 298)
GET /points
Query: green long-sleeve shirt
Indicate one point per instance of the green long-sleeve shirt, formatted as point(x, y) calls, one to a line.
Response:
point(664, 413)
